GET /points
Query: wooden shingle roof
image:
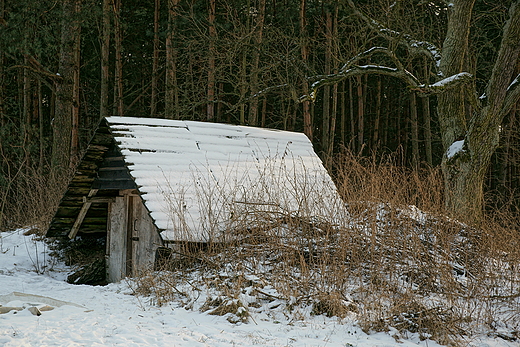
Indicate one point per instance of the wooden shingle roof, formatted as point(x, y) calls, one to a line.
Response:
point(196, 177)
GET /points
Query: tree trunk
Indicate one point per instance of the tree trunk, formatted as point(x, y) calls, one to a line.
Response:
point(210, 107)
point(465, 170)
point(74, 146)
point(307, 119)
point(41, 127)
point(2, 77)
point(427, 129)
point(172, 98)
point(118, 75)
point(377, 121)
point(326, 89)
point(105, 56)
point(352, 141)
point(343, 119)
point(62, 127)
point(414, 125)
point(253, 110)
point(155, 62)
point(361, 113)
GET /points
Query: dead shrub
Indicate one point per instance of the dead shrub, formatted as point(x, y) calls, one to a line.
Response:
point(394, 260)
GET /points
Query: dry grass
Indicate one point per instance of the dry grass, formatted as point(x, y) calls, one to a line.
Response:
point(394, 260)
point(30, 198)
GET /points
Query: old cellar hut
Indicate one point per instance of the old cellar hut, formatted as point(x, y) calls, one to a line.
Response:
point(146, 184)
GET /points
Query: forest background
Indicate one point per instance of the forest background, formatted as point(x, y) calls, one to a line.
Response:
point(65, 64)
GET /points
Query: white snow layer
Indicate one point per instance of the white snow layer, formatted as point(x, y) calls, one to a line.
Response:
point(111, 315)
point(455, 148)
point(198, 178)
point(450, 79)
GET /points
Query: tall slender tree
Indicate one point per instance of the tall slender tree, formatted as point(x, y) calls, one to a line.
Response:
point(171, 100)
point(155, 63)
point(66, 97)
point(210, 107)
point(105, 58)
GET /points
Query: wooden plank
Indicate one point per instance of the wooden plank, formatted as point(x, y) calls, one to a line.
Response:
point(145, 238)
point(82, 214)
point(116, 243)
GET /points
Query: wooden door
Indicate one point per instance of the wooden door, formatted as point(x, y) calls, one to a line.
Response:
point(116, 240)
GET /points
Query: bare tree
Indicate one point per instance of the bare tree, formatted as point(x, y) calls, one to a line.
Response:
point(469, 139)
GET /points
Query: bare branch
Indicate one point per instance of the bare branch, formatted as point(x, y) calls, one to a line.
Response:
point(369, 53)
point(412, 82)
point(356, 70)
point(445, 84)
point(414, 46)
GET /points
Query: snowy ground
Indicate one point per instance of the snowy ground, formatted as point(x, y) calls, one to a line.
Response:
point(112, 316)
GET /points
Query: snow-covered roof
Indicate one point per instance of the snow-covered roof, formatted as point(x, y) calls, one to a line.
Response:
point(199, 180)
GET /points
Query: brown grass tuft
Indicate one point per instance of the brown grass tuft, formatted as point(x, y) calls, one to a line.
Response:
point(393, 261)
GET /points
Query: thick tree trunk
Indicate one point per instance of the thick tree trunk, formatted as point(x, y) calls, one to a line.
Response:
point(465, 170)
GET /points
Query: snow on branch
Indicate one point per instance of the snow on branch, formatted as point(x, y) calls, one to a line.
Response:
point(404, 75)
point(414, 46)
point(356, 70)
point(369, 53)
point(445, 84)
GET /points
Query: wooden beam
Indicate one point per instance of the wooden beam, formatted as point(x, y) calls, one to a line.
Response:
point(82, 213)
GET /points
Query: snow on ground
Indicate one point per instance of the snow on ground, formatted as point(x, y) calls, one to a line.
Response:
point(111, 316)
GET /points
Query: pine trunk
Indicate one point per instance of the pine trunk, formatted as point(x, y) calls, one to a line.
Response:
point(361, 113)
point(118, 75)
point(171, 99)
point(210, 107)
point(74, 146)
point(307, 119)
point(64, 91)
point(155, 62)
point(105, 56)
point(253, 110)
point(414, 125)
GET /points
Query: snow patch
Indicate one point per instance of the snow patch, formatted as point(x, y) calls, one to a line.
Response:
point(455, 148)
point(451, 79)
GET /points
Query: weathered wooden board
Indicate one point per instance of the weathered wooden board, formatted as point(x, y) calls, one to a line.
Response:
point(145, 238)
point(116, 240)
